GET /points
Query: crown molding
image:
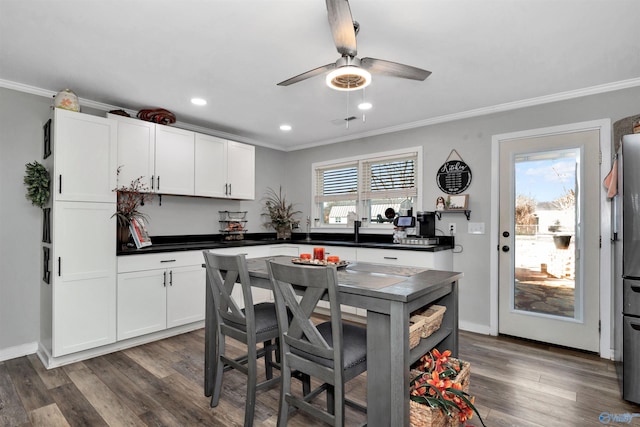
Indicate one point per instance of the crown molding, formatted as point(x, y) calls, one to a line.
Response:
point(531, 102)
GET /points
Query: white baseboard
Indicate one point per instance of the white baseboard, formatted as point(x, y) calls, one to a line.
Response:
point(54, 362)
point(474, 327)
point(18, 351)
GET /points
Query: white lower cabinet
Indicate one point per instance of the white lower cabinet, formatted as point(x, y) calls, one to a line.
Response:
point(159, 291)
point(441, 260)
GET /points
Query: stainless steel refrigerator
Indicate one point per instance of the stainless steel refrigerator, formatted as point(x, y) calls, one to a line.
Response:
point(629, 209)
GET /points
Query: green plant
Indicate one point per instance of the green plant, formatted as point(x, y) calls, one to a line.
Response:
point(279, 212)
point(37, 181)
point(130, 198)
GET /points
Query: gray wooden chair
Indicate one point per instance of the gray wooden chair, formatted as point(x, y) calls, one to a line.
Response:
point(333, 352)
point(251, 325)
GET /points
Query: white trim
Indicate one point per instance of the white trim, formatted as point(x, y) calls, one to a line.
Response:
point(54, 362)
point(476, 328)
point(508, 106)
point(604, 127)
point(18, 351)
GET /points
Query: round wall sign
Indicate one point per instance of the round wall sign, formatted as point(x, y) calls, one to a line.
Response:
point(453, 177)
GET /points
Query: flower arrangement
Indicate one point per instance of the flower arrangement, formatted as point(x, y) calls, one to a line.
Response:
point(280, 213)
point(436, 387)
point(130, 198)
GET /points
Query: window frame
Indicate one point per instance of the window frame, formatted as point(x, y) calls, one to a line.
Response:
point(361, 203)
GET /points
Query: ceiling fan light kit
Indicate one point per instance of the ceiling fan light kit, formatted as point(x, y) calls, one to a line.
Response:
point(348, 78)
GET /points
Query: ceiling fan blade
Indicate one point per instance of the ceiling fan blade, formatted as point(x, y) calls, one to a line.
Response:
point(341, 23)
point(388, 68)
point(307, 75)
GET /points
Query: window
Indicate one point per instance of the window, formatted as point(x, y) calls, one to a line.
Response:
point(374, 189)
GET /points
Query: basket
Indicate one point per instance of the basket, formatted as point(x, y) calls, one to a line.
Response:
point(416, 324)
point(232, 216)
point(433, 319)
point(425, 416)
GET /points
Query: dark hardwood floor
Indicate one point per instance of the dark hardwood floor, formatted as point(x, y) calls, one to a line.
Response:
point(516, 383)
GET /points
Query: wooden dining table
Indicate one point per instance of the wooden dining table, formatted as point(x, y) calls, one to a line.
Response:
point(390, 294)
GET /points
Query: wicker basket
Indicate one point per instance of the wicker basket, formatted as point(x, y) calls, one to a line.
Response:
point(433, 319)
point(425, 416)
point(416, 325)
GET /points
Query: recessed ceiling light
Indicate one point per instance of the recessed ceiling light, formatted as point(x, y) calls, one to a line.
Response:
point(198, 101)
point(365, 106)
point(285, 128)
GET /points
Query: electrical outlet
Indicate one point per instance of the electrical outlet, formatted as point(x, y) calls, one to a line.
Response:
point(452, 228)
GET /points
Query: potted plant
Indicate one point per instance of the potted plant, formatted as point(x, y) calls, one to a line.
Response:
point(280, 213)
point(130, 199)
point(37, 181)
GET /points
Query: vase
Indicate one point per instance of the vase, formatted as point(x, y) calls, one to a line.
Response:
point(66, 100)
point(283, 233)
point(123, 236)
point(562, 241)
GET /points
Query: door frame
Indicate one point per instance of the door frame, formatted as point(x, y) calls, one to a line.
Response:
point(604, 126)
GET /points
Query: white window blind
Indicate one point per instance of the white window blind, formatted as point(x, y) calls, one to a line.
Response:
point(337, 183)
point(387, 178)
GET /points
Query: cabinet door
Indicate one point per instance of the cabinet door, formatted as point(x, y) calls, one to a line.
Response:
point(174, 163)
point(241, 170)
point(136, 151)
point(210, 166)
point(84, 155)
point(185, 295)
point(142, 302)
point(84, 276)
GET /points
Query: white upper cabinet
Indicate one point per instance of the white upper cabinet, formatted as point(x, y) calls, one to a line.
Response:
point(181, 162)
point(211, 166)
point(136, 151)
point(224, 168)
point(85, 155)
point(241, 170)
point(175, 153)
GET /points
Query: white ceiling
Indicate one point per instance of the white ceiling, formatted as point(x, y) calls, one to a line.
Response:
point(137, 54)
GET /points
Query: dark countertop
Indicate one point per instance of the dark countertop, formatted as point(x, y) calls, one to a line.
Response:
point(215, 241)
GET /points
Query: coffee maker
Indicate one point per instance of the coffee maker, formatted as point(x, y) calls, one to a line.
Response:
point(426, 224)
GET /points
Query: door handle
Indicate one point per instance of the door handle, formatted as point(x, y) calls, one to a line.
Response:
point(505, 248)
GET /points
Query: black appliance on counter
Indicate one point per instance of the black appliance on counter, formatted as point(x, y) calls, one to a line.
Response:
point(426, 224)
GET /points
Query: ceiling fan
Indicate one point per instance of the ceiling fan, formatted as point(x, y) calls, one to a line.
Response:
point(349, 71)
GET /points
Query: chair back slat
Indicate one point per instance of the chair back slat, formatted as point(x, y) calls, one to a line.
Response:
point(225, 271)
point(312, 283)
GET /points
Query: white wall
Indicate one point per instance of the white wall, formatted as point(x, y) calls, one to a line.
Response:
point(22, 116)
point(472, 140)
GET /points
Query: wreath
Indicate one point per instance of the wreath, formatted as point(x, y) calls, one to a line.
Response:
point(37, 181)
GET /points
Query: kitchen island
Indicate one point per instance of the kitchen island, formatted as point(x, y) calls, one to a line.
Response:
point(389, 294)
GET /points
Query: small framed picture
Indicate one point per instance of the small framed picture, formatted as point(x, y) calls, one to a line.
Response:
point(458, 202)
point(441, 204)
point(47, 139)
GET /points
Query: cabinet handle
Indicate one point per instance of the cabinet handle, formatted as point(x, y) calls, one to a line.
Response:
point(158, 182)
point(226, 189)
point(164, 279)
point(171, 278)
point(60, 184)
point(59, 266)
point(229, 189)
point(635, 326)
point(390, 257)
point(168, 260)
point(635, 288)
point(153, 177)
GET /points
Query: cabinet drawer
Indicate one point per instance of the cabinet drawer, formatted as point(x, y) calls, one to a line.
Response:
point(129, 263)
point(396, 257)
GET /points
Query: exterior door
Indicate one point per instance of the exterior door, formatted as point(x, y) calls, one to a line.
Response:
point(549, 239)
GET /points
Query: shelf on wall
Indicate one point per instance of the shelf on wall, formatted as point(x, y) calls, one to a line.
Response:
point(466, 212)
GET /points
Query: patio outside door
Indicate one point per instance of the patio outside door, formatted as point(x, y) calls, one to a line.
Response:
point(549, 239)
